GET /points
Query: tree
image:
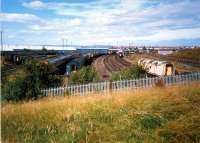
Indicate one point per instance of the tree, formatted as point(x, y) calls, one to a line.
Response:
point(37, 75)
point(44, 50)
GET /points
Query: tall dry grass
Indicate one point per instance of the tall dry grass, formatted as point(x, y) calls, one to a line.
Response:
point(166, 114)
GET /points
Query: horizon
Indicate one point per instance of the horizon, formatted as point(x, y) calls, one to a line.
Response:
point(101, 22)
point(76, 47)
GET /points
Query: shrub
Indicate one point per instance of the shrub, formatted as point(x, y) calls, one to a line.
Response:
point(27, 86)
point(130, 73)
point(48, 75)
point(24, 86)
point(12, 90)
point(84, 75)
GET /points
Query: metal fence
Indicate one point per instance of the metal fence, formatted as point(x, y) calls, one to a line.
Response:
point(122, 84)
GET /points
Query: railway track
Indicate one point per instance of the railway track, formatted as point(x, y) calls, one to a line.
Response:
point(99, 65)
point(107, 64)
point(111, 65)
point(123, 62)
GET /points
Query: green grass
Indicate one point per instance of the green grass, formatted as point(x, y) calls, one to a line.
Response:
point(167, 114)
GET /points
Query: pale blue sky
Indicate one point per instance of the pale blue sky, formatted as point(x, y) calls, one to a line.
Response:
point(139, 22)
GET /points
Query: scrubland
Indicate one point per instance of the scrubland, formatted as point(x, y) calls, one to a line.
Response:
point(160, 114)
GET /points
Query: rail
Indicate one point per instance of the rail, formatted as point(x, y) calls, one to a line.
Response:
point(84, 89)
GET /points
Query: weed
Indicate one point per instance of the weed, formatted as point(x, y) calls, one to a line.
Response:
point(149, 121)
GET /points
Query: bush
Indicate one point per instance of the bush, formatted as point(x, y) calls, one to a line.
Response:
point(84, 75)
point(12, 90)
point(27, 86)
point(131, 73)
point(48, 75)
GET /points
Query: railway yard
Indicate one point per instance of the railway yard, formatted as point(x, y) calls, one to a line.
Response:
point(105, 64)
point(108, 64)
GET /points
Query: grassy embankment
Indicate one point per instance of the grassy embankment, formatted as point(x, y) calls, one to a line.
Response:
point(188, 54)
point(167, 114)
point(193, 54)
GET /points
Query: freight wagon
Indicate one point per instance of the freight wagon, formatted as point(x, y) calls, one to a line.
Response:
point(157, 67)
point(75, 65)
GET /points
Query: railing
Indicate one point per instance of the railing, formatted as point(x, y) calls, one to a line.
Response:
point(122, 84)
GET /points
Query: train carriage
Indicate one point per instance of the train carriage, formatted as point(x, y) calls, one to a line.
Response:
point(157, 67)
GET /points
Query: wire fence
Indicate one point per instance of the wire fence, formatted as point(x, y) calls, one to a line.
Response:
point(122, 84)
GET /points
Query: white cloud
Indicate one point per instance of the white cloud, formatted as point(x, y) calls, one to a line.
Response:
point(56, 25)
point(191, 33)
point(34, 4)
point(21, 18)
point(108, 21)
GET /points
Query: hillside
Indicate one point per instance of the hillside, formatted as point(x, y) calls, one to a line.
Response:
point(168, 114)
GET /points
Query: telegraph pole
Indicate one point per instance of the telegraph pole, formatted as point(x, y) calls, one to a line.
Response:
point(1, 27)
point(1, 40)
point(63, 43)
point(66, 42)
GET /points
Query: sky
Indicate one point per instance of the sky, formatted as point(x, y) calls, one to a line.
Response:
point(101, 22)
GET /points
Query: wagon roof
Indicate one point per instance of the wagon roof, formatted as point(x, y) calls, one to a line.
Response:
point(77, 60)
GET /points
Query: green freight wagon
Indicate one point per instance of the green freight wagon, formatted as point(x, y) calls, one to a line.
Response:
point(75, 65)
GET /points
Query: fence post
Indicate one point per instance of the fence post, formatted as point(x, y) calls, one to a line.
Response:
point(110, 86)
point(187, 77)
point(143, 84)
point(50, 91)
